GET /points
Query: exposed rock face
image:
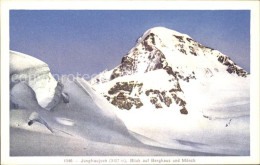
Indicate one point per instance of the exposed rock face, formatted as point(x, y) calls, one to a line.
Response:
point(131, 63)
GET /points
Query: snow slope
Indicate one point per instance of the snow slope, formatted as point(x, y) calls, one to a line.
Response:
point(213, 125)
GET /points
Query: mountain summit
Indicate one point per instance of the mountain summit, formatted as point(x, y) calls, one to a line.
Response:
point(154, 70)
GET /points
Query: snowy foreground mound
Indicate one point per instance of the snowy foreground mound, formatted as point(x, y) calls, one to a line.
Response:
point(169, 96)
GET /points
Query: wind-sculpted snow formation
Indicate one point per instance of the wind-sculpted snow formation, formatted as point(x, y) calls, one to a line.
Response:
point(36, 74)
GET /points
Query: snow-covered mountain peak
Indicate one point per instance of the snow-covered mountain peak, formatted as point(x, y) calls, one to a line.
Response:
point(170, 57)
point(162, 48)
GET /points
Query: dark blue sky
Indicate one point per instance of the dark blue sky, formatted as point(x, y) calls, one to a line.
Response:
point(90, 41)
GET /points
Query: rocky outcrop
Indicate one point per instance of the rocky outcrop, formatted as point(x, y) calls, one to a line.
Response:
point(231, 66)
point(157, 98)
point(125, 87)
point(65, 97)
point(184, 111)
point(121, 95)
point(127, 102)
